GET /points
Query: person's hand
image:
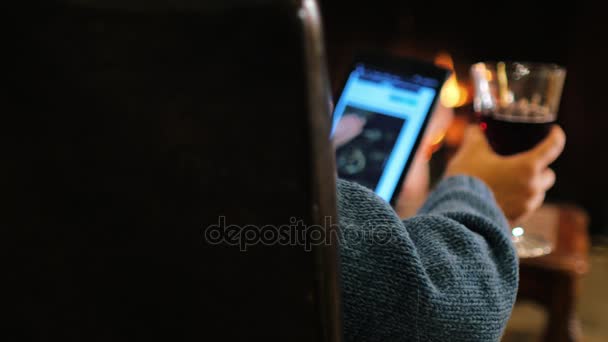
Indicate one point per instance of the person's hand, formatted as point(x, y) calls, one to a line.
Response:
point(520, 181)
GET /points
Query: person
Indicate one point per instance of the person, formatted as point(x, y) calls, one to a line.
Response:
point(449, 273)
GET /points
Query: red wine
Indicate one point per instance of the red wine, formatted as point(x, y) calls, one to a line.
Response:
point(509, 135)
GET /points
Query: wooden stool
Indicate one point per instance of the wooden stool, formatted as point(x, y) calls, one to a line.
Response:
point(553, 280)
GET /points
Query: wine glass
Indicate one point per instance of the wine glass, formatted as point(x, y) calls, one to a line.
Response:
point(516, 104)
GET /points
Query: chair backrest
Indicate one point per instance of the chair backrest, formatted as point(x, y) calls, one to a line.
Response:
point(137, 135)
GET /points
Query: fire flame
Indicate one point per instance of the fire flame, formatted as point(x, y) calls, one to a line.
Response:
point(453, 93)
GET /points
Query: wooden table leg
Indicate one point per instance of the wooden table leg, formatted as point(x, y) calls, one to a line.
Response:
point(552, 280)
point(563, 325)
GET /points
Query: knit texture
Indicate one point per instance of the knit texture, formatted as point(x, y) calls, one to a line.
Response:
point(448, 274)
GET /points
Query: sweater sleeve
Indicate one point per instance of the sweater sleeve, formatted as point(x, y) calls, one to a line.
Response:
point(448, 274)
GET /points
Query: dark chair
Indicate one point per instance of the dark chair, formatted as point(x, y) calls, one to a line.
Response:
point(133, 127)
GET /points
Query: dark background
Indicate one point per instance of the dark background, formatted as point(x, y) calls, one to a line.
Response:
point(571, 33)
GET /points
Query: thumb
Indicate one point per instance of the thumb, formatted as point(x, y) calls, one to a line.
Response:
point(550, 148)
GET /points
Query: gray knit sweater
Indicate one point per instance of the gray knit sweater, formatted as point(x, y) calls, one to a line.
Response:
point(448, 274)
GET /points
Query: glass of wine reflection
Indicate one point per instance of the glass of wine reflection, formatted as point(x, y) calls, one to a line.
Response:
point(516, 104)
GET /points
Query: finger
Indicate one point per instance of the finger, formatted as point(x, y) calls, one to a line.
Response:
point(536, 202)
point(549, 149)
point(355, 120)
point(547, 179)
point(527, 209)
point(361, 123)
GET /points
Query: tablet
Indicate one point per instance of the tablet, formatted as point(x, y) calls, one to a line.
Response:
point(380, 118)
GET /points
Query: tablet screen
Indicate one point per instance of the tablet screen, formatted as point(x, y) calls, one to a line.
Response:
point(376, 124)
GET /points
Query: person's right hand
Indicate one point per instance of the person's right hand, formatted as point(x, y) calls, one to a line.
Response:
point(519, 181)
